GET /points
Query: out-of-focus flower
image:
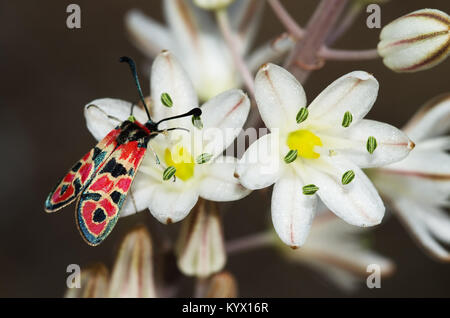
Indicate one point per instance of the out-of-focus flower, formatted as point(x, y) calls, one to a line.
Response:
point(196, 41)
point(416, 41)
point(418, 187)
point(200, 248)
point(339, 251)
point(222, 285)
point(132, 276)
point(222, 117)
point(93, 283)
point(213, 4)
point(319, 150)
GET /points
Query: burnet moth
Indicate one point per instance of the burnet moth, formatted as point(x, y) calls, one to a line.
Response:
point(102, 178)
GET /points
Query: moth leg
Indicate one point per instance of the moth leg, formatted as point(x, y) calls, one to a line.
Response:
point(108, 116)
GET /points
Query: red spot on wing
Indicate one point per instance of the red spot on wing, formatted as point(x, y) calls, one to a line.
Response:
point(86, 156)
point(87, 211)
point(102, 184)
point(85, 171)
point(110, 208)
point(132, 153)
point(59, 197)
point(124, 184)
point(69, 177)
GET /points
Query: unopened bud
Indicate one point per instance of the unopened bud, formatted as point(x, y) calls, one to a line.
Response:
point(416, 41)
point(222, 285)
point(213, 4)
point(200, 248)
point(132, 275)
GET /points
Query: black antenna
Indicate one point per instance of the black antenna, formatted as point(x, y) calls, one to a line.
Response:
point(136, 80)
point(194, 112)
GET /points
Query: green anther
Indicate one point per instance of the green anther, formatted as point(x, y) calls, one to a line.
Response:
point(347, 120)
point(169, 172)
point(197, 122)
point(203, 158)
point(166, 100)
point(291, 156)
point(310, 189)
point(348, 177)
point(302, 115)
point(371, 144)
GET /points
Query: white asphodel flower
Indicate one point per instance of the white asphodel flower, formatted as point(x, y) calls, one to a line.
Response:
point(213, 4)
point(196, 41)
point(319, 150)
point(341, 252)
point(418, 187)
point(222, 117)
point(416, 41)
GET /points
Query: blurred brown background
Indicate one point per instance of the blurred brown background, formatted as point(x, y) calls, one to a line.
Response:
point(49, 72)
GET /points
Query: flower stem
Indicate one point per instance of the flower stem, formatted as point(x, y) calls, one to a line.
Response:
point(348, 55)
point(304, 57)
point(230, 39)
point(286, 19)
point(347, 21)
point(249, 242)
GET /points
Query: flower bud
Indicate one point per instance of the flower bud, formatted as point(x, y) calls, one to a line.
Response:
point(213, 4)
point(416, 41)
point(222, 285)
point(132, 275)
point(93, 283)
point(200, 248)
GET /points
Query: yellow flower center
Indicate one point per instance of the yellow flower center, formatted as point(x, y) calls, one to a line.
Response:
point(304, 142)
point(182, 160)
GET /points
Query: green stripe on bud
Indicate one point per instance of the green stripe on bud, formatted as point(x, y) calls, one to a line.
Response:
point(302, 115)
point(197, 122)
point(347, 120)
point(348, 177)
point(166, 100)
point(310, 189)
point(169, 173)
point(203, 158)
point(371, 144)
point(291, 156)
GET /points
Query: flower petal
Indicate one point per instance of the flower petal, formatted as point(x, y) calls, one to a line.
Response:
point(169, 77)
point(354, 92)
point(408, 212)
point(261, 165)
point(279, 97)
point(170, 204)
point(292, 211)
point(220, 183)
point(431, 120)
point(245, 16)
point(104, 114)
point(147, 34)
point(132, 276)
point(392, 144)
point(139, 196)
point(223, 118)
point(357, 203)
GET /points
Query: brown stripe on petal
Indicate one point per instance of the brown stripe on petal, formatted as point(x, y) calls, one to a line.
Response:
point(431, 15)
point(418, 38)
point(248, 16)
point(432, 58)
point(239, 103)
point(189, 21)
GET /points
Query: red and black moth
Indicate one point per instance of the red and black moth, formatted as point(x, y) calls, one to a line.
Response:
point(101, 180)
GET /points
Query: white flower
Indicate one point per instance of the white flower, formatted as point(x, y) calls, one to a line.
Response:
point(196, 41)
point(339, 251)
point(223, 118)
point(418, 187)
point(416, 41)
point(332, 142)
